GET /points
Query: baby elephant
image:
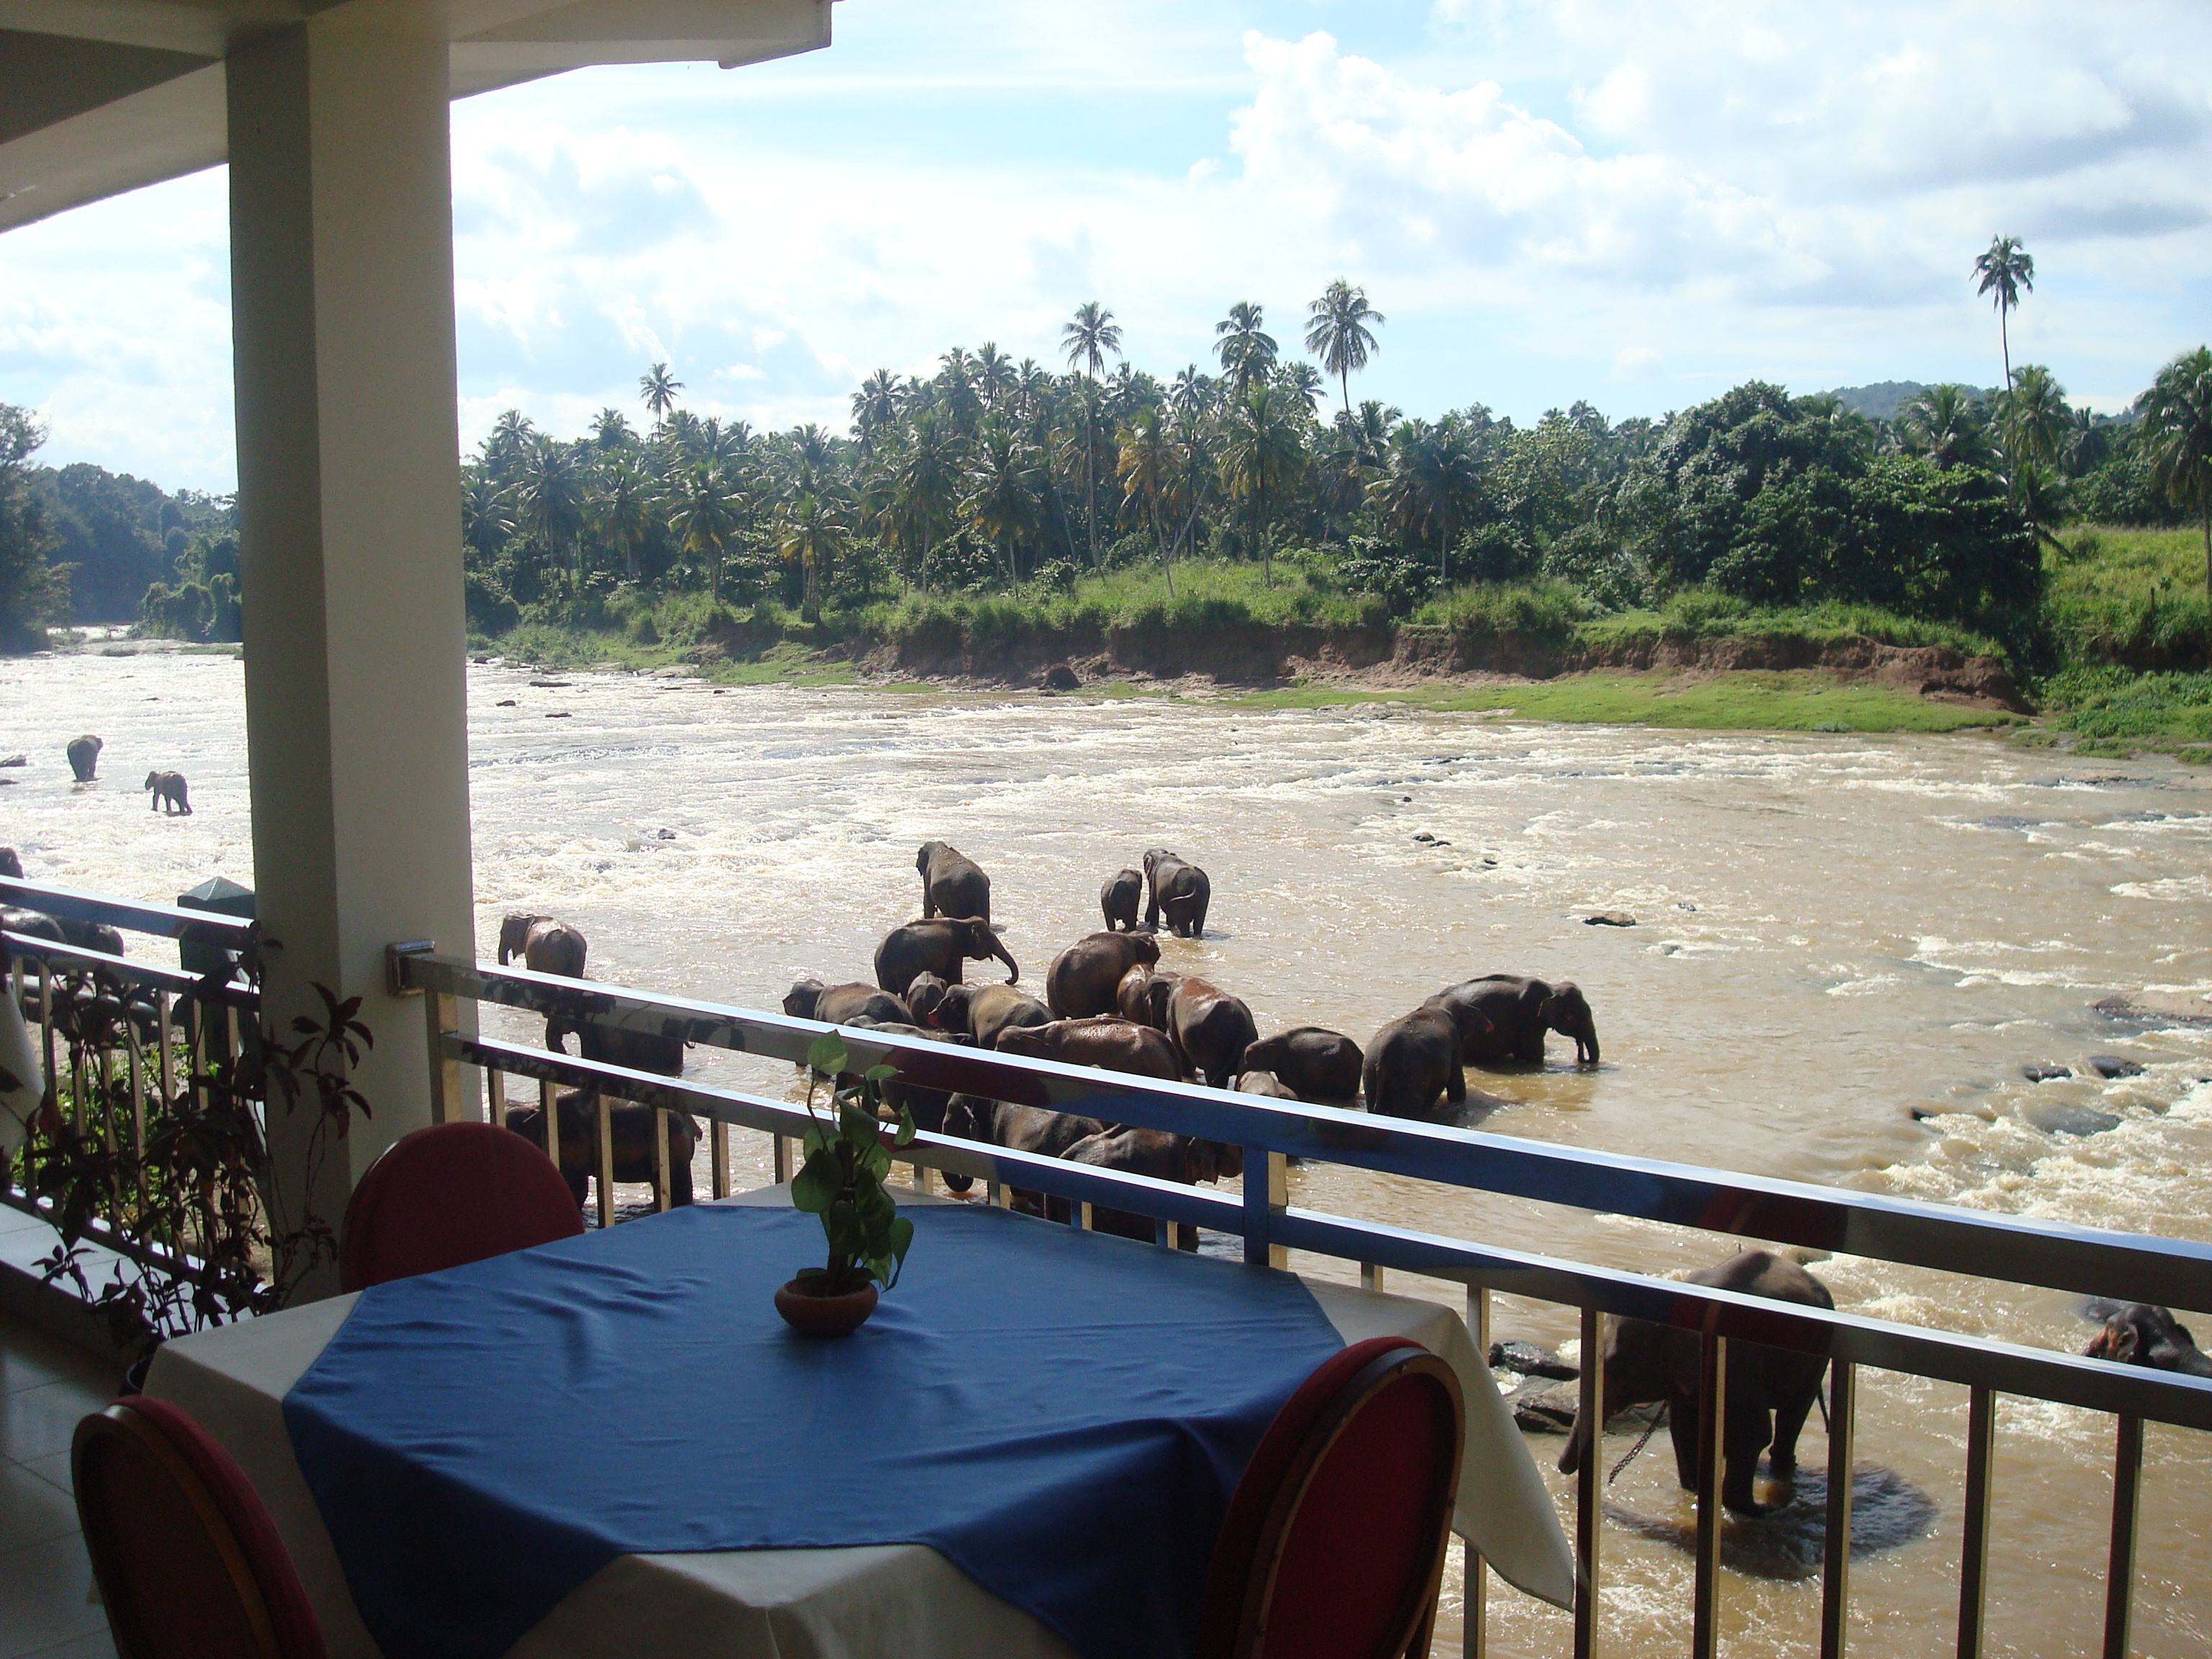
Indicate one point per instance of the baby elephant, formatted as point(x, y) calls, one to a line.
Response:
point(84, 756)
point(1118, 898)
point(168, 789)
point(1316, 1063)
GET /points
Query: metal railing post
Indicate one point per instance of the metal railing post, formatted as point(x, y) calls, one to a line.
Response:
point(1590, 1482)
point(718, 1154)
point(441, 1019)
point(1974, 1553)
point(1836, 1563)
point(663, 1188)
point(2120, 1569)
point(1474, 1579)
point(1713, 1447)
point(1266, 1196)
point(606, 1115)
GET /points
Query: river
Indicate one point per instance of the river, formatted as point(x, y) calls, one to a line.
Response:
point(1846, 949)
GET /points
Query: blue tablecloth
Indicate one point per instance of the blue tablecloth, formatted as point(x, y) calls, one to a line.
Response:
point(1060, 1414)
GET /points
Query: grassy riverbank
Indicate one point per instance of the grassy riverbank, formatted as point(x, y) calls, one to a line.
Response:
point(2115, 669)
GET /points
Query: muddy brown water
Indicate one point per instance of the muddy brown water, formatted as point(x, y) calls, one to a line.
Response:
point(1846, 949)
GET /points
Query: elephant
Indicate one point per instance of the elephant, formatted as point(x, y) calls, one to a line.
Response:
point(1180, 890)
point(32, 924)
point(1143, 995)
point(2144, 1334)
point(839, 1004)
point(1210, 1030)
point(84, 756)
point(625, 1046)
point(631, 1125)
point(92, 936)
point(937, 945)
point(1083, 978)
point(1118, 898)
point(168, 789)
point(1315, 1063)
point(1769, 1390)
point(923, 993)
point(1516, 1011)
point(984, 1010)
point(1411, 1060)
point(1021, 1128)
point(1155, 1153)
point(543, 945)
point(1106, 1041)
point(11, 866)
point(953, 884)
point(1266, 1084)
point(928, 1107)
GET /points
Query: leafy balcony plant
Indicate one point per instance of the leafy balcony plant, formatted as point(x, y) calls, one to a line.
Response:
point(842, 1178)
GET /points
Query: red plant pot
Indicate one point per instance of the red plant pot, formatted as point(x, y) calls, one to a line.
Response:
point(807, 1310)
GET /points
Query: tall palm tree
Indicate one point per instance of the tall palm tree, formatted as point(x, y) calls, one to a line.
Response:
point(925, 476)
point(611, 429)
point(994, 375)
point(1005, 500)
point(1246, 353)
point(1086, 340)
point(1431, 484)
point(658, 388)
point(1146, 465)
point(810, 531)
point(2005, 271)
point(620, 504)
point(1263, 454)
point(875, 406)
point(486, 521)
point(549, 501)
point(1338, 331)
point(510, 441)
point(1300, 381)
point(704, 518)
point(2177, 438)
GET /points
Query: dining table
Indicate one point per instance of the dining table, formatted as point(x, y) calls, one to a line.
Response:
point(612, 1445)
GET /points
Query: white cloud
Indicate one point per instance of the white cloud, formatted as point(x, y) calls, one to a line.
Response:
point(1636, 363)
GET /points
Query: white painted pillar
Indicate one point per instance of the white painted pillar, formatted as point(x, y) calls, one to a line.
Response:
point(349, 480)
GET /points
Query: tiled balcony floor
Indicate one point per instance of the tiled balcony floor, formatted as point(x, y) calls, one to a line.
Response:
point(45, 1386)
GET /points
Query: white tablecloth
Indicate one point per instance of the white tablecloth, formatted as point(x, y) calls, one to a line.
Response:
point(901, 1600)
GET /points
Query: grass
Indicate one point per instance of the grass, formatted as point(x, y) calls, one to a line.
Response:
point(2133, 597)
point(1802, 700)
point(1700, 615)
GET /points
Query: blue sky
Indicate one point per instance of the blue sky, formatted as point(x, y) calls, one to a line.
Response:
point(1638, 205)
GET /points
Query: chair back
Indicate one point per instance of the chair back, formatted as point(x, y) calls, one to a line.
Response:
point(189, 1564)
point(451, 1193)
point(1333, 1544)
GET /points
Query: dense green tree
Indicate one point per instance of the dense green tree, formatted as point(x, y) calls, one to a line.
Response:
point(1944, 424)
point(1340, 331)
point(705, 518)
point(32, 591)
point(619, 506)
point(2177, 438)
point(1246, 350)
point(2033, 423)
point(1431, 485)
point(1004, 496)
point(924, 475)
point(1087, 340)
point(548, 503)
point(1262, 456)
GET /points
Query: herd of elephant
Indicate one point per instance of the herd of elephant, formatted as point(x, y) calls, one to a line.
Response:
point(170, 792)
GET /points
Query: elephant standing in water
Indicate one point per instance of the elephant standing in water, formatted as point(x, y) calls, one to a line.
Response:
point(984, 1010)
point(1119, 898)
point(937, 946)
point(952, 883)
point(1502, 1018)
point(1312, 1062)
point(84, 756)
point(1412, 1060)
point(840, 1005)
point(1210, 1030)
point(168, 789)
point(1085, 978)
point(543, 944)
point(1179, 889)
point(1768, 1393)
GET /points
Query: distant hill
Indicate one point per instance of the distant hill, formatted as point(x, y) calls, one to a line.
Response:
point(1881, 400)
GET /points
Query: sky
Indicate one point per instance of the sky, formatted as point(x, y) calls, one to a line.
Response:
point(1636, 205)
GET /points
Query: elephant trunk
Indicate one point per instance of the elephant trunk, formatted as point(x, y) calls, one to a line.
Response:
point(1013, 968)
point(1578, 1446)
point(1586, 1043)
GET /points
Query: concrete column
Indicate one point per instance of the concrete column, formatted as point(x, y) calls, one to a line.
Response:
point(349, 493)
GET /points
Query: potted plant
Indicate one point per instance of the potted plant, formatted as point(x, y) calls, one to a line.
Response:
point(842, 1181)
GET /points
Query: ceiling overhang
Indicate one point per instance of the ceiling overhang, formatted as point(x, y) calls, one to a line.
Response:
point(101, 96)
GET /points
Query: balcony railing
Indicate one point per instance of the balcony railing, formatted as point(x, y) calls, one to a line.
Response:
point(2123, 1266)
point(179, 1041)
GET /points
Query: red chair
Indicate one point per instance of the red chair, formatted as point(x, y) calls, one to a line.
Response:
point(448, 1194)
point(1333, 1544)
point(189, 1564)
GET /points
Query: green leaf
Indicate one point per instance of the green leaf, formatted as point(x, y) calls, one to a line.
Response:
point(828, 1054)
point(906, 1129)
point(880, 1074)
point(815, 1187)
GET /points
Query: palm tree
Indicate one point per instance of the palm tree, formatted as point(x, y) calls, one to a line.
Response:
point(875, 406)
point(1247, 354)
point(1942, 423)
point(705, 518)
point(658, 388)
point(1147, 465)
point(611, 429)
point(1262, 455)
point(1300, 381)
point(2006, 270)
point(2032, 418)
point(486, 522)
point(1338, 331)
point(549, 501)
point(1431, 484)
point(1085, 341)
point(1005, 498)
point(994, 375)
point(2177, 439)
point(620, 504)
point(511, 440)
point(924, 477)
point(810, 529)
